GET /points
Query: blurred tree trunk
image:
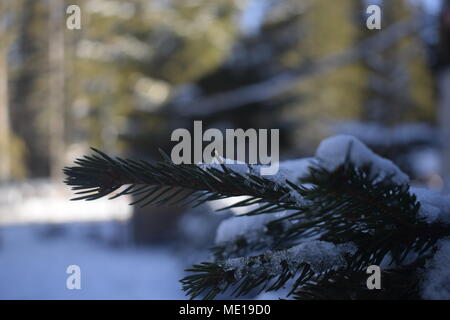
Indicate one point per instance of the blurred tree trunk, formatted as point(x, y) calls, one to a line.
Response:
point(152, 224)
point(5, 141)
point(56, 87)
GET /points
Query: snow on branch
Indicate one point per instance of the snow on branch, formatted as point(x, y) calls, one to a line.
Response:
point(335, 151)
point(342, 210)
point(268, 271)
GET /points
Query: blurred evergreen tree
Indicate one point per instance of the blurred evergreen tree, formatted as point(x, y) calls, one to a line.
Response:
point(131, 55)
point(444, 89)
point(389, 87)
point(399, 84)
point(129, 58)
point(398, 88)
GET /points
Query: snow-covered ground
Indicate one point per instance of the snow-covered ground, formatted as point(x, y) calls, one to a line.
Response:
point(34, 259)
point(43, 201)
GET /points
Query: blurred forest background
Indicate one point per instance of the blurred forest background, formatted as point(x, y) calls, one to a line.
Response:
point(137, 70)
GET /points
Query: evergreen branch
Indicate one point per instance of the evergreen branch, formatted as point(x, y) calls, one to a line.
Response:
point(210, 279)
point(266, 236)
point(163, 182)
point(265, 272)
point(381, 218)
point(347, 205)
point(351, 204)
point(401, 283)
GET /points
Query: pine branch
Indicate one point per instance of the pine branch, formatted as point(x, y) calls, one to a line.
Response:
point(265, 272)
point(401, 283)
point(347, 205)
point(351, 204)
point(266, 236)
point(210, 279)
point(162, 182)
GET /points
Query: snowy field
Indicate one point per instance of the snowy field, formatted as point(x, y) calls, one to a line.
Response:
point(42, 201)
point(34, 258)
point(42, 233)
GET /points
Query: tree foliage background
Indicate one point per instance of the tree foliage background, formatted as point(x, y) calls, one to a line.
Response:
point(131, 61)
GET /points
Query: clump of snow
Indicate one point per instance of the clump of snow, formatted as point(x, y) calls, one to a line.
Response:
point(320, 255)
point(249, 227)
point(434, 206)
point(252, 229)
point(292, 170)
point(332, 153)
point(436, 281)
